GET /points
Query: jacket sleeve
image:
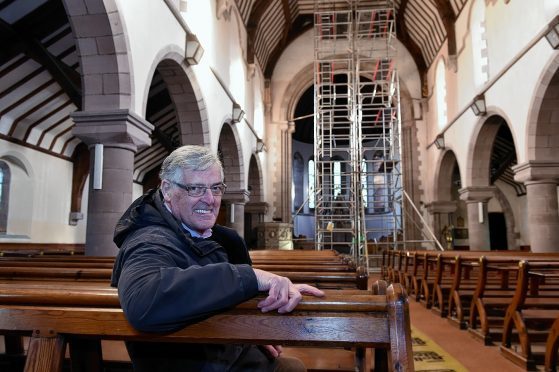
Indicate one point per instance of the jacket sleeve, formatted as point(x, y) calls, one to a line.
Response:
point(158, 296)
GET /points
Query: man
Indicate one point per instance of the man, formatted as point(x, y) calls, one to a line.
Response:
point(176, 266)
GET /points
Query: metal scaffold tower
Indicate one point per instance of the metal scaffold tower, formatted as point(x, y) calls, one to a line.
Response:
point(358, 185)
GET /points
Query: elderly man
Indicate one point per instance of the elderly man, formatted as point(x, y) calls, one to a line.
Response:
point(176, 266)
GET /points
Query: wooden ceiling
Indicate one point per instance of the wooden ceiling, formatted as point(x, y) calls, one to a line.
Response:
point(40, 83)
point(422, 26)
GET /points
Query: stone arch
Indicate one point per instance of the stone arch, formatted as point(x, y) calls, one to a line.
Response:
point(509, 219)
point(443, 176)
point(185, 94)
point(298, 85)
point(98, 22)
point(479, 154)
point(255, 184)
point(542, 129)
point(229, 148)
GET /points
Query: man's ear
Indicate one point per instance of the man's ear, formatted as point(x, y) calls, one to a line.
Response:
point(166, 190)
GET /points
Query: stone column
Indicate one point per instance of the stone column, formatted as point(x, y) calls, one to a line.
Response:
point(476, 198)
point(121, 133)
point(235, 201)
point(541, 180)
point(441, 211)
point(287, 171)
point(257, 211)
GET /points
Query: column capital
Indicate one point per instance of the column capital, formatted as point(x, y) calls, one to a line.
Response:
point(256, 207)
point(109, 127)
point(442, 206)
point(536, 171)
point(283, 125)
point(291, 127)
point(474, 194)
point(239, 196)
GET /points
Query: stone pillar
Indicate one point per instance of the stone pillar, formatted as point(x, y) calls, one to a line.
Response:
point(541, 179)
point(441, 211)
point(235, 201)
point(121, 133)
point(287, 171)
point(257, 211)
point(476, 198)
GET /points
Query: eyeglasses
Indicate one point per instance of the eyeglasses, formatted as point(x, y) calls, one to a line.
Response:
point(199, 190)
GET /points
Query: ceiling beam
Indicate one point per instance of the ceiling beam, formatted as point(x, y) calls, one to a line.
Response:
point(281, 45)
point(302, 24)
point(256, 14)
point(65, 76)
point(449, 19)
point(412, 47)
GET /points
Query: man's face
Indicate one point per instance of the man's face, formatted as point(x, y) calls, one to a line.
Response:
point(198, 213)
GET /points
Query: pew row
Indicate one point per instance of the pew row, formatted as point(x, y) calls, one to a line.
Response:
point(320, 276)
point(530, 316)
point(58, 316)
point(552, 348)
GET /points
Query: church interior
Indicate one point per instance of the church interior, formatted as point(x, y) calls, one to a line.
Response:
point(410, 145)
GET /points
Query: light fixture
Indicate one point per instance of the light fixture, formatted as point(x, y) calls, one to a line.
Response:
point(260, 146)
point(439, 142)
point(478, 105)
point(552, 34)
point(194, 50)
point(238, 113)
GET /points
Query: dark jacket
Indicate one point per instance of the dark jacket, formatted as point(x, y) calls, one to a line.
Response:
point(166, 279)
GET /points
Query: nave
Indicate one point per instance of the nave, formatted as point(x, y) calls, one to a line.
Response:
point(30, 282)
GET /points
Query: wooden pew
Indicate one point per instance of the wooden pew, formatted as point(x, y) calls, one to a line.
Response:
point(323, 276)
point(531, 313)
point(552, 348)
point(30, 249)
point(82, 317)
point(456, 279)
point(491, 299)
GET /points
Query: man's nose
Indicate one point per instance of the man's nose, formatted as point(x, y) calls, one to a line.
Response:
point(208, 196)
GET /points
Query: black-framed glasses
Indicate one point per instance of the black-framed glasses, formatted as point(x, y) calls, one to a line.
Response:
point(199, 190)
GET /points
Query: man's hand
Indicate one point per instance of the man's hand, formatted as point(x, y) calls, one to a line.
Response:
point(282, 294)
point(272, 351)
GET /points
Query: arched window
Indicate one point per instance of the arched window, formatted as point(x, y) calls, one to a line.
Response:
point(311, 184)
point(297, 187)
point(337, 178)
point(479, 44)
point(441, 93)
point(4, 196)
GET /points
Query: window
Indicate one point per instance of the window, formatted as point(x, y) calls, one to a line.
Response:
point(311, 185)
point(364, 185)
point(380, 192)
point(337, 174)
point(297, 182)
point(4, 196)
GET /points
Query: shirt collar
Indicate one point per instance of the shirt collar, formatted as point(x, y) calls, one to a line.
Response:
point(195, 234)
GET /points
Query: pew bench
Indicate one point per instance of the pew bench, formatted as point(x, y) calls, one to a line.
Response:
point(552, 348)
point(531, 313)
point(319, 276)
point(489, 303)
point(81, 319)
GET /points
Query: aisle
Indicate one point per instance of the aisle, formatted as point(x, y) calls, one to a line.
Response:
point(470, 353)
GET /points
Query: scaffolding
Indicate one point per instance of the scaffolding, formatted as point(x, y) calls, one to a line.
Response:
point(358, 183)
